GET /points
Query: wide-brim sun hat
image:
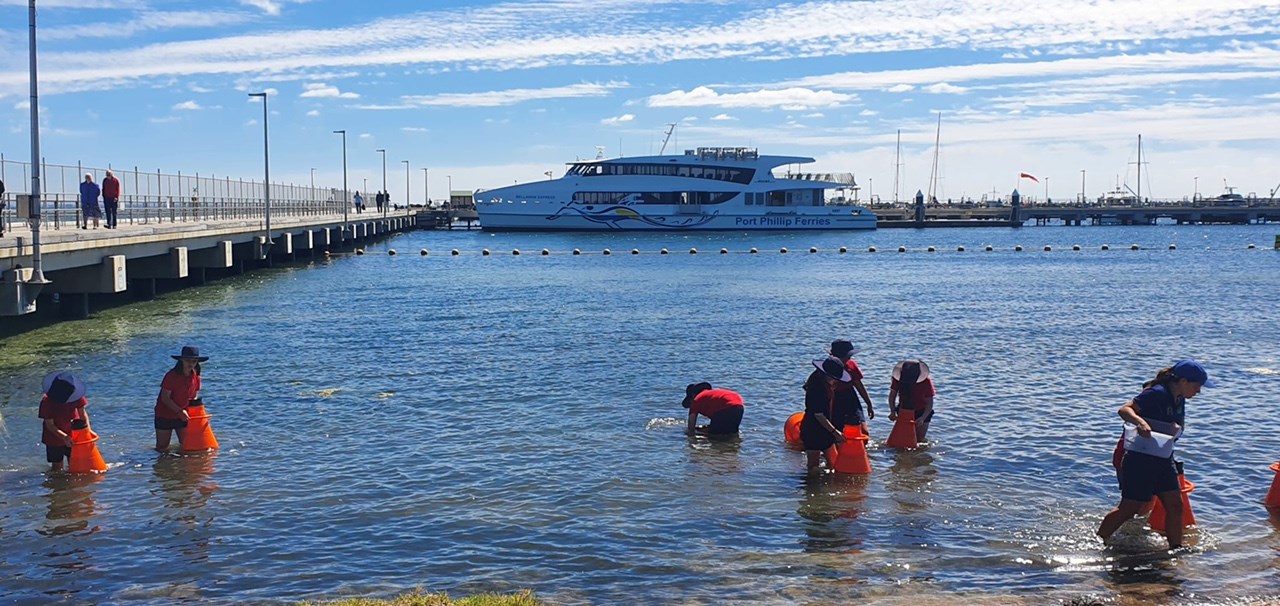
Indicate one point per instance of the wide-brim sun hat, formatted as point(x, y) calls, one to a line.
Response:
point(828, 366)
point(924, 370)
point(191, 352)
point(842, 348)
point(77, 386)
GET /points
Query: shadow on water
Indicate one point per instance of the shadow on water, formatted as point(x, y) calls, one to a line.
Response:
point(71, 503)
point(716, 455)
point(909, 478)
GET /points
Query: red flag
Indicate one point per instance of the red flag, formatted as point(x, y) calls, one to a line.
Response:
point(1029, 176)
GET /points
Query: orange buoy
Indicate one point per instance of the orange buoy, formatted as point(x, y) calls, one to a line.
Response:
point(791, 429)
point(85, 457)
point(1157, 519)
point(1273, 495)
point(904, 430)
point(851, 457)
point(199, 434)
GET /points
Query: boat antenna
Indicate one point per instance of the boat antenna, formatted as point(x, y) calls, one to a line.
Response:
point(671, 128)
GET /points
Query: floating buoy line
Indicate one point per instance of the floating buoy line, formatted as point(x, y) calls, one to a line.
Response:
point(812, 250)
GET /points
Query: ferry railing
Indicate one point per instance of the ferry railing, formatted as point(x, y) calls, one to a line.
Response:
point(158, 197)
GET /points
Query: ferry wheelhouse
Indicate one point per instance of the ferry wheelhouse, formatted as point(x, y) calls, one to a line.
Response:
point(708, 188)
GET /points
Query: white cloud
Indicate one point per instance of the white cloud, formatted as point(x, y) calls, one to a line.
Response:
point(271, 7)
point(187, 106)
point(164, 119)
point(315, 90)
point(313, 113)
point(722, 117)
point(414, 129)
point(944, 88)
point(900, 88)
point(814, 115)
point(366, 136)
point(618, 119)
point(787, 98)
point(508, 97)
point(195, 88)
point(868, 113)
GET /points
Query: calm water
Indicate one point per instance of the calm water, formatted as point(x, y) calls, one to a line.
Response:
point(478, 423)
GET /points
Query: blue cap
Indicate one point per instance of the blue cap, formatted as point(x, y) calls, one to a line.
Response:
point(1191, 370)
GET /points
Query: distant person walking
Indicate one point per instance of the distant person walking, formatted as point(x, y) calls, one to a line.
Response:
point(1161, 406)
point(359, 202)
point(179, 387)
point(722, 406)
point(1, 209)
point(379, 200)
point(386, 201)
point(89, 192)
point(111, 198)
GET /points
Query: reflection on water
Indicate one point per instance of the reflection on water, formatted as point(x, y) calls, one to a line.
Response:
point(185, 482)
point(71, 504)
point(909, 478)
point(830, 508)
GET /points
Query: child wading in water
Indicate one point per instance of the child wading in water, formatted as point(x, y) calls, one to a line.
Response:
point(911, 381)
point(61, 407)
point(180, 386)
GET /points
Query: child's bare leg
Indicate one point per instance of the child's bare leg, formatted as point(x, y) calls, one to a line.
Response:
point(162, 439)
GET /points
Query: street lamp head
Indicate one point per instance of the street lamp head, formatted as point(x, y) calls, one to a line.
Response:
point(263, 95)
point(381, 151)
point(339, 132)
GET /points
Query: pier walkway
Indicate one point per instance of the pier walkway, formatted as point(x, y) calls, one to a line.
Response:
point(137, 255)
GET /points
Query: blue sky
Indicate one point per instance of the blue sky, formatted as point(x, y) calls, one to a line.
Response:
point(490, 93)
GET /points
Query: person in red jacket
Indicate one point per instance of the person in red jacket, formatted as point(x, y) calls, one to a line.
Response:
point(111, 198)
point(62, 405)
point(722, 406)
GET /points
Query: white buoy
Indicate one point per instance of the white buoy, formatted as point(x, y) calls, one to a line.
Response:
point(663, 252)
point(635, 251)
point(608, 252)
point(871, 249)
point(1048, 248)
point(1133, 247)
point(959, 249)
point(359, 251)
point(1075, 247)
point(485, 252)
point(932, 249)
point(1106, 247)
point(902, 249)
point(1017, 248)
point(545, 252)
point(577, 252)
point(515, 252)
point(423, 252)
point(844, 250)
point(783, 250)
point(754, 251)
point(693, 251)
point(813, 249)
point(989, 249)
point(454, 252)
point(724, 251)
point(1173, 247)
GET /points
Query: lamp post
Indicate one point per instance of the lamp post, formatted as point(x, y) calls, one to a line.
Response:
point(449, 178)
point(406, 187)
point(1082, 186)
point(37, 280)
point(1046, 190)
point(426, 192)
point(345, 202)
point(385, 202)
point(871, 190)
point(1195, 195)
point(266, 171)
point(312, 195)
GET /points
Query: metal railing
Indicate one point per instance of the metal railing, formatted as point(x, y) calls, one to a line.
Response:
point(157, 197)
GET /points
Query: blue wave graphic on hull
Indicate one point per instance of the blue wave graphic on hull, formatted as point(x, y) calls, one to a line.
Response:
point(612, 216)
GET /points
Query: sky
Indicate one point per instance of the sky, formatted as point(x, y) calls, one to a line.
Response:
point(483, 94)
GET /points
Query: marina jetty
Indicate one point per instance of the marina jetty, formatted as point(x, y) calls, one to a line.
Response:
point(1015, 211)
point(180, 231)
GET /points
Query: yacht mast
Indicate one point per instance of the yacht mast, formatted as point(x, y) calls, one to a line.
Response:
point(897, 166)
point(671, 128)
point(933, 176)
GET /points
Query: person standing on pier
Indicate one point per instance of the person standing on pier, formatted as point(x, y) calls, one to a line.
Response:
point(817, 430)
point(379, 200)
point(179, 387)
point(62, 405)
point(1, 209)
point(846, 405)
point(1163, 403)
point(111, 198)
point(89, 192)
point(722, 406)
point(359, 202)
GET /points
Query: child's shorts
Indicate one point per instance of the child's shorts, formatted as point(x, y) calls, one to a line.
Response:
point(55, 454)
point(163, 423)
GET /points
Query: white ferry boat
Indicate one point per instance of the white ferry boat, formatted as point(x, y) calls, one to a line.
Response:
point(708, 188)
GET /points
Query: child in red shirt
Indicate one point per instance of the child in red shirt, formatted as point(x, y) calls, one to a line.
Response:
point(911, 380)
point(62, 405)
point(180, 386)
point(722, 406)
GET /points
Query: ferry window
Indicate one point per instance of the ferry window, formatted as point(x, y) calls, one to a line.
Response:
point(683, 171)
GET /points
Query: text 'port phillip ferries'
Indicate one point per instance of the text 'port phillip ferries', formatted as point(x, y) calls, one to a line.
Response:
point(709, 188)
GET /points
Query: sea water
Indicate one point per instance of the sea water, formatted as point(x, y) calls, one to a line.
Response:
point(489, 423)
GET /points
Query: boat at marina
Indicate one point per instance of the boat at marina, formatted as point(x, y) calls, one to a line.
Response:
point(708, 188)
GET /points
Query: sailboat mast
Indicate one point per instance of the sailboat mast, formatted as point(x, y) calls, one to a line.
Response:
point(1139, 168)
point(897, 166)
point(933, 176)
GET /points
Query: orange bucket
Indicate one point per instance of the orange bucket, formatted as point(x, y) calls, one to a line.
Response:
point(791, 429)
point(85, 457)
point(199, 434)
point(1158, 515)
point(851, 457)
point(904, 430)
